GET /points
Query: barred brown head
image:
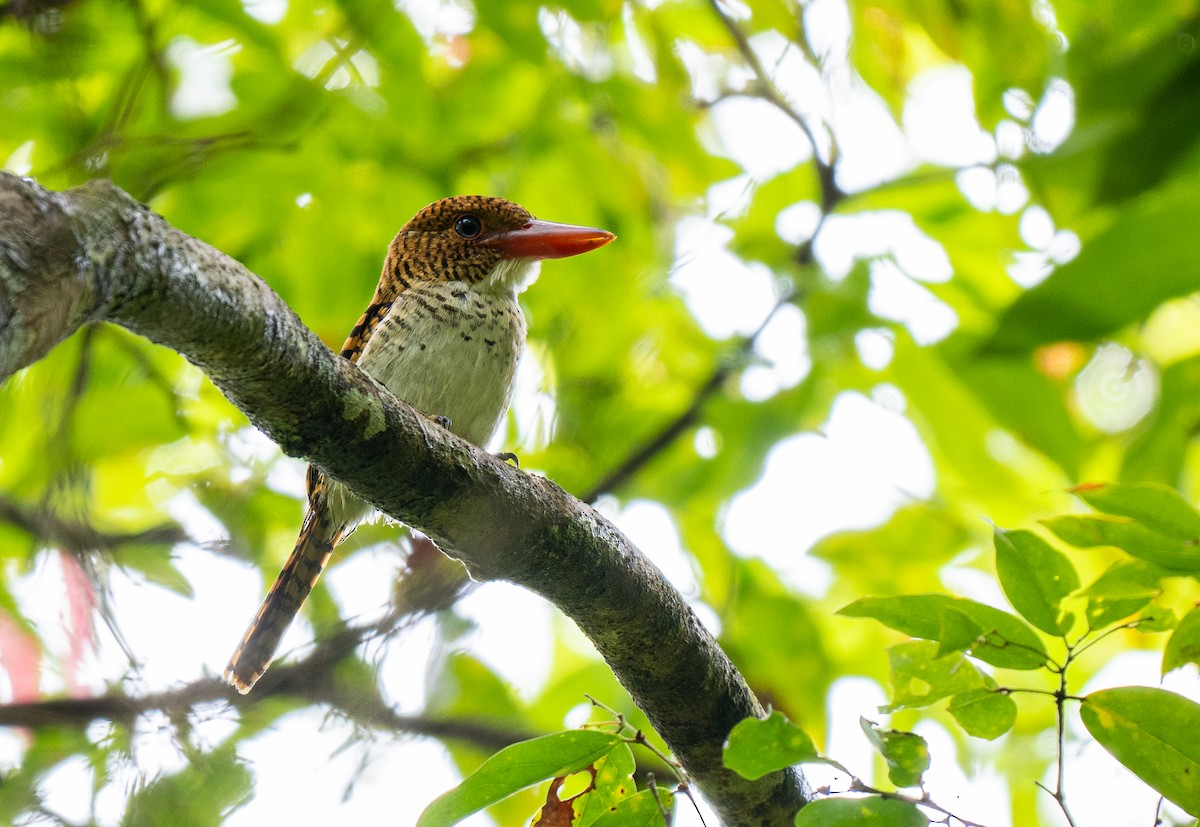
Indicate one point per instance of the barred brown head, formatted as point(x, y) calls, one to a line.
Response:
point(466, 237)
point(448, 240)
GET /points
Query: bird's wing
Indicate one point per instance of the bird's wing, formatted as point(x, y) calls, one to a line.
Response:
point(352, 349)
point(361, 334)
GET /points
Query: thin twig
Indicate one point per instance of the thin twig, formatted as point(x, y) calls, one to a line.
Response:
point(801, 40)
point(686, 789)
point(653, 787)
point(1060, 792)
point(156, 62)
point(769, 91)
point(652, 447)
point(639, 737)
point(27, 11)
point(1082, 647)
point(79, 537)
point(857, 786)
point(310, 679)
point(1013, 690)
point(1061, 696)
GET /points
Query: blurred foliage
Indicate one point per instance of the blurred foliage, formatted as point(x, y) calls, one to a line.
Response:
point(297, 135)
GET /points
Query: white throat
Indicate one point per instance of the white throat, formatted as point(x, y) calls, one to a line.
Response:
point(512, 275)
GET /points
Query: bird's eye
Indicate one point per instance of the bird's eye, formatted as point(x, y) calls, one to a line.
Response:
point(468, 226)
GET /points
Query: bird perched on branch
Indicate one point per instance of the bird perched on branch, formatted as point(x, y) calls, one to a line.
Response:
point(443, 332)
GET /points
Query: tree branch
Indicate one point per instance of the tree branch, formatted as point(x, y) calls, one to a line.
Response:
point(310, 679)
point(645, 453)
point(93, 253)
point(77, 536)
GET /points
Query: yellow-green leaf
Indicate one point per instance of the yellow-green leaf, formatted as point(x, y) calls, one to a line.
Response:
point(1153, 732)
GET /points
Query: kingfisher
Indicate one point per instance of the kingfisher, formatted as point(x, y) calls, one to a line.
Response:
point(444, 332)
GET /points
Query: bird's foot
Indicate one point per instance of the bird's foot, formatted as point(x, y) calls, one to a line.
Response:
point(444, 421)
point(508, 456)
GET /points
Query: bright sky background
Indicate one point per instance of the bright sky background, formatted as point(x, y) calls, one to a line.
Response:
point(852, 472)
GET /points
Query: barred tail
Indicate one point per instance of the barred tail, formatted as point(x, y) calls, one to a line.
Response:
point(292, 587)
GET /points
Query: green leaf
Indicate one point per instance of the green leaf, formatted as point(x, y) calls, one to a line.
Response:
point(1006, 640)
point(756, 236)
point(1030, 404)
point(881, 51)
point(984, 713)
point(791, 664)
point(860, 812)
point(929, 536)
point(517, 767)
point(1159, 447)
point(156, 563)
point(639, 810)
point(921, 676)
point(517, 24)
point(1184, 644)
point(759, 746)
point(135, 415)
point(1157, 619)
point(1124, 588)
point(202, 793)
point(1159, 508)
point(958, 632)
point(613, 784)
point(906, 753)
point(1143, 258)
point(1035, 578)
point(390, 34)
point(1096, 530)
point(465, 686)
point(781, 15)
point(1153, 732)
point(1158, 141)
